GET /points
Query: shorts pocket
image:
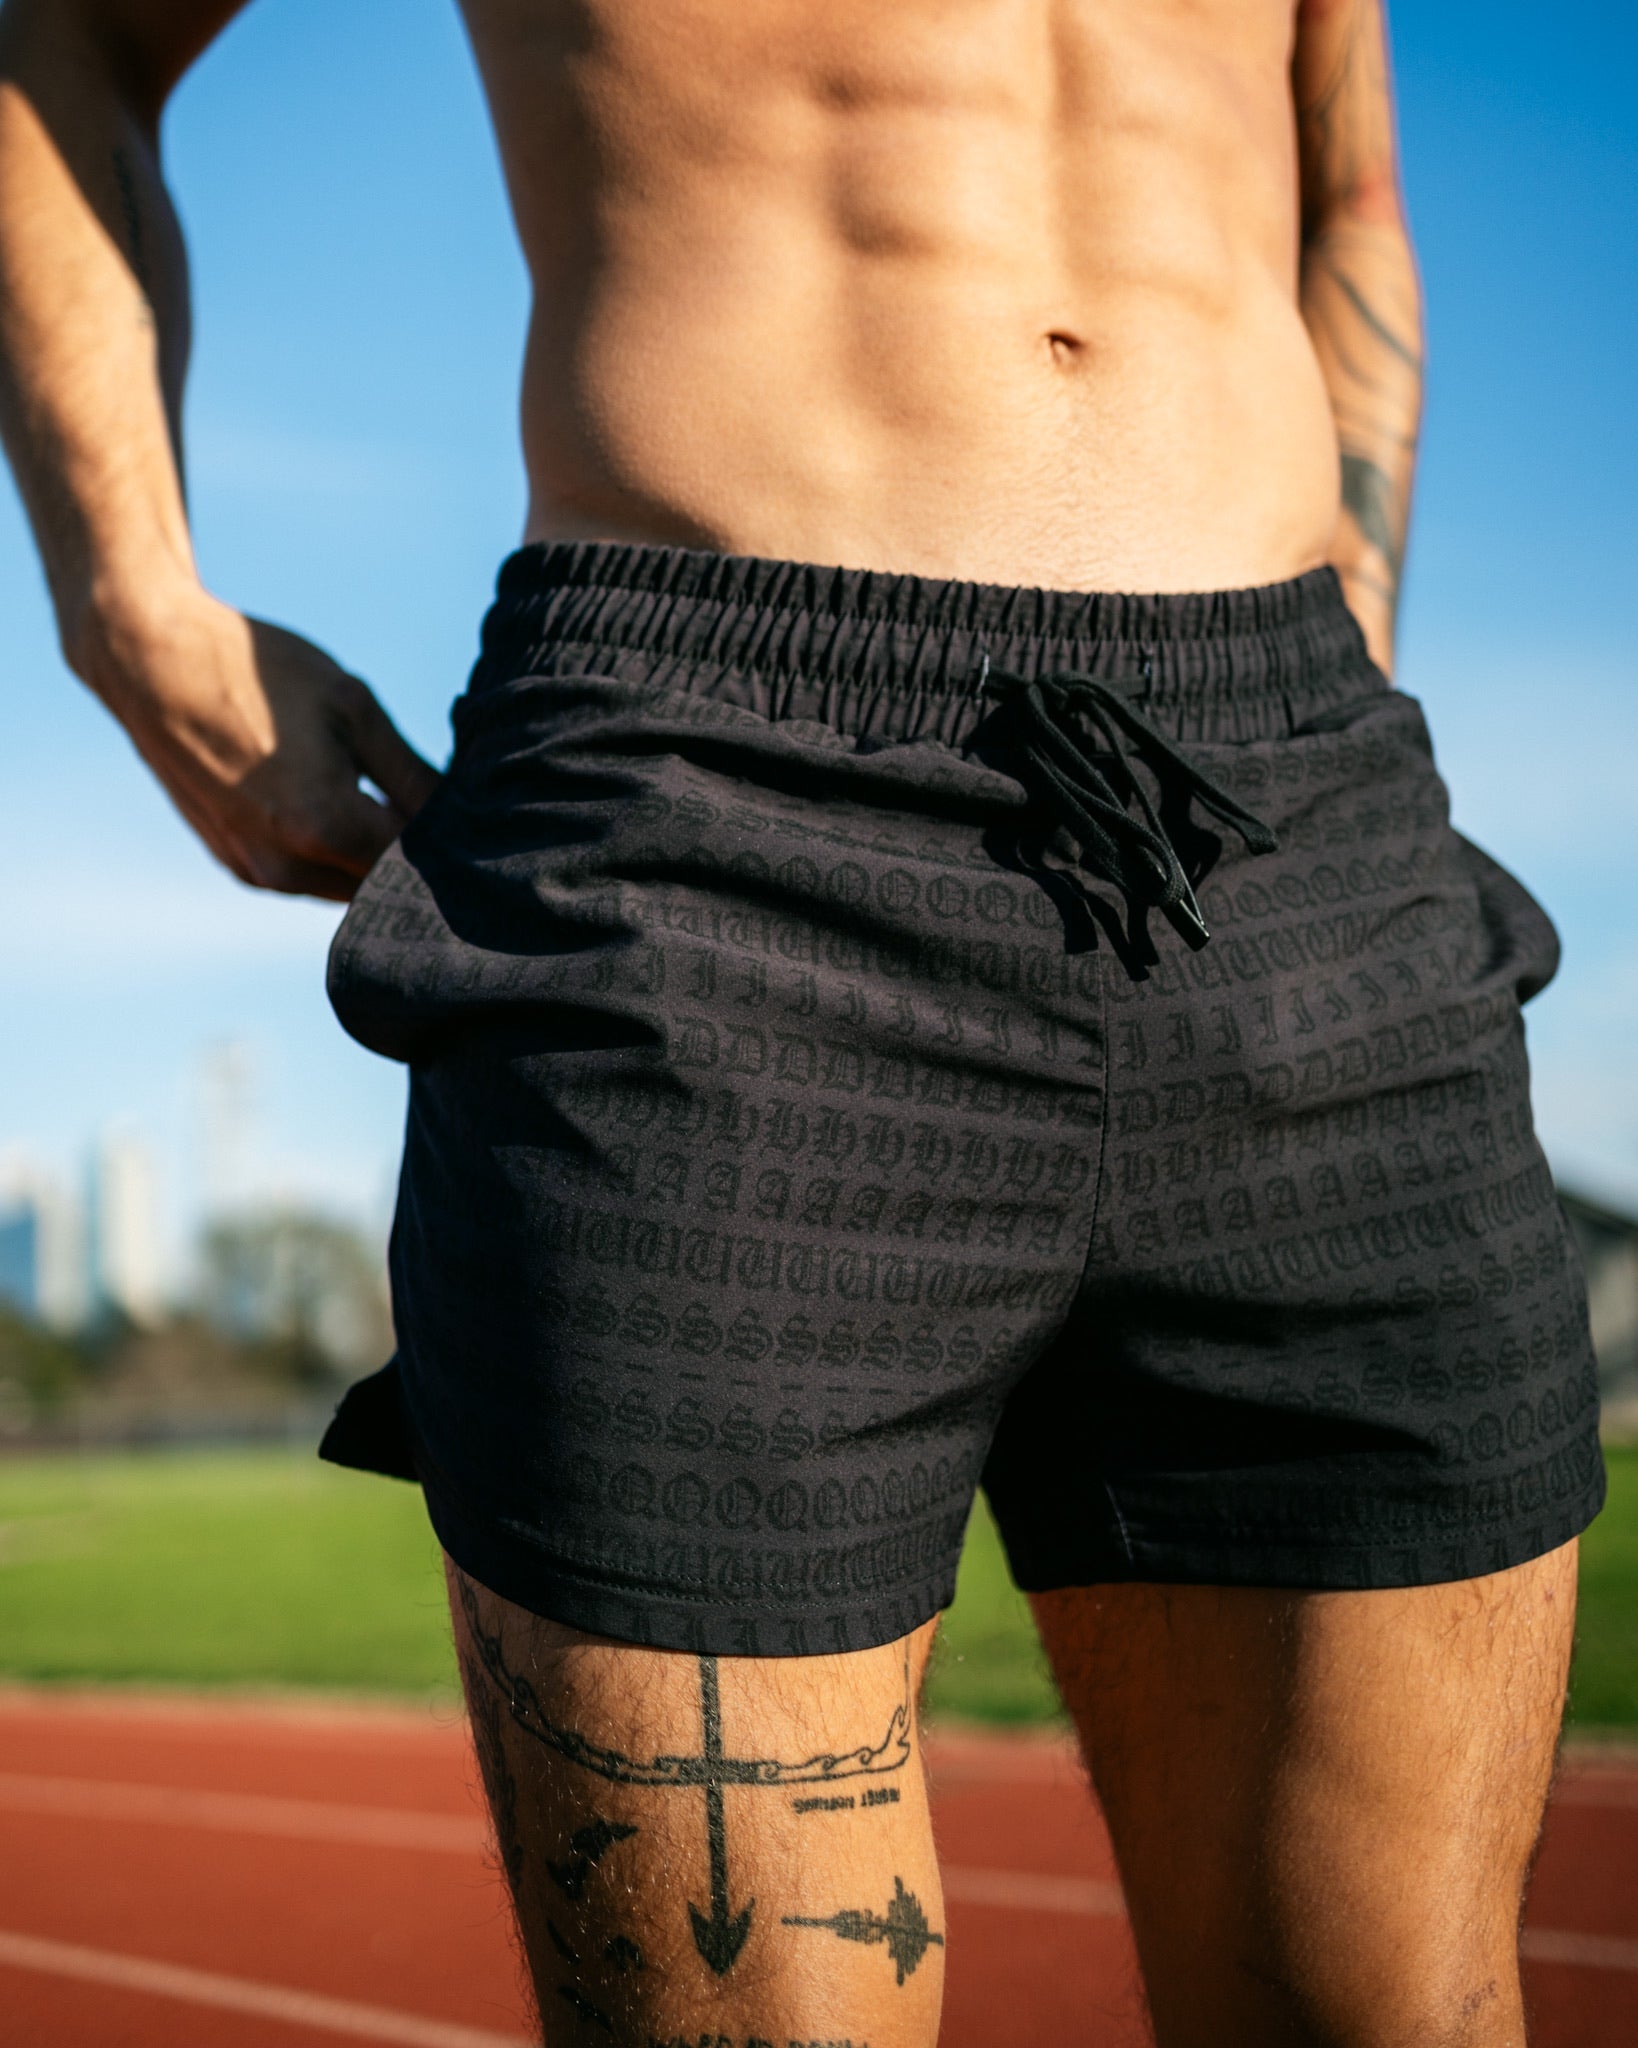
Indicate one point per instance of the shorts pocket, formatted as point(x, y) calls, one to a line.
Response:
point(1521, 940)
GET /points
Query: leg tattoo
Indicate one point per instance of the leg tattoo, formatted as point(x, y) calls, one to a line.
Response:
point(720, 1933)
point(498, 1781)
point(902, 1929)
point(590, 1845)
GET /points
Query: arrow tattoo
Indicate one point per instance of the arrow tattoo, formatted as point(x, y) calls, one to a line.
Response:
point(721, 1937)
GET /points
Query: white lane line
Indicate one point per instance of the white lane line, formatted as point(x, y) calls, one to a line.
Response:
point(241, 1813)
point(242, 1994)
point(1587, 1951)
point(381, 1827)
point(324, 1820)
point(1101, 1898)
point(1032, 1893)
point(398, 1828)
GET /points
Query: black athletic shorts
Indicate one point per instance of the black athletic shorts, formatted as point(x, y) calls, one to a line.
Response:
point(825, 1098)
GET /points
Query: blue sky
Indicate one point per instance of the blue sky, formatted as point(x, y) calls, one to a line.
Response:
point(354, 475)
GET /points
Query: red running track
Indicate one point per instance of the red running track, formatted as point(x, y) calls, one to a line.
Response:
point(178, 1875)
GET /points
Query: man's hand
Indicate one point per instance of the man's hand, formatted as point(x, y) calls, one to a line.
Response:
point(260, 740)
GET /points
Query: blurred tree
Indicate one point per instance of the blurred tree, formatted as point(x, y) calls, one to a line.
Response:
point(304, 1285)
point(40, 1373)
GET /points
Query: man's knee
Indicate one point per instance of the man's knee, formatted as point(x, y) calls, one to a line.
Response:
point(1462, 1994)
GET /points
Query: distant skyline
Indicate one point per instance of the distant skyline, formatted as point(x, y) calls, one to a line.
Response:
point(354, 474)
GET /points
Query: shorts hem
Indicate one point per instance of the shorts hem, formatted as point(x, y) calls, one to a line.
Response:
point(520, 1572)
point(369, 1431)
point(1313, 1562)
point(374, 1432)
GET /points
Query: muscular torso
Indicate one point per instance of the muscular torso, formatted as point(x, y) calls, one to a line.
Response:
point(1001, 289)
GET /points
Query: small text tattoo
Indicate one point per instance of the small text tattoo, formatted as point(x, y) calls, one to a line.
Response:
point(844, 1802)
point(902, 1930)
point(751, 2041)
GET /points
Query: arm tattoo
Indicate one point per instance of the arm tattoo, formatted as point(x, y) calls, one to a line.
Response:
point(1359, 291)
point(1409, 355)
point(1369, 494)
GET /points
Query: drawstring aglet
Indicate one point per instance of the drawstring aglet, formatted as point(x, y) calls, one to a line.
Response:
point(1186, 920)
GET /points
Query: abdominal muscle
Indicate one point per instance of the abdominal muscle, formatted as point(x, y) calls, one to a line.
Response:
point(993, 289)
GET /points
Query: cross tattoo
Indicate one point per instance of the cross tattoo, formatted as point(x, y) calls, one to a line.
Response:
point(720, 1934)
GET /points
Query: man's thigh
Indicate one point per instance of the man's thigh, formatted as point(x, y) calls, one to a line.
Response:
point(724, 1849)
point(1323, 1805)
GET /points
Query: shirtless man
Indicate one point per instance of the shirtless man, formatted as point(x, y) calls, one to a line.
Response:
point(884, 1012)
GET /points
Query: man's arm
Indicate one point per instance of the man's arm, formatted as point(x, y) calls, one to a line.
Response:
point(259, 738)
point(1360, 295)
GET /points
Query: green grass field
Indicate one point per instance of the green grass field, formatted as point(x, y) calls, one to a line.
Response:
point(267, 1569)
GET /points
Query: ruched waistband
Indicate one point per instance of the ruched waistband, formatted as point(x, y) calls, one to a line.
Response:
point(1183, 656)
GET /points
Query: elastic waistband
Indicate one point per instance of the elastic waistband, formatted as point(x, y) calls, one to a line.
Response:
point(913, 633)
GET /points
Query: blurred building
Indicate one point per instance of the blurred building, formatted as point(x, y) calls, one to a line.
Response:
point(127, 1263)
point(295, 1278)
point(225, 1089)
point(42, 1247)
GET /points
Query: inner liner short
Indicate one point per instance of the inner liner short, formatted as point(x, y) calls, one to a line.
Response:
point(824, 1100)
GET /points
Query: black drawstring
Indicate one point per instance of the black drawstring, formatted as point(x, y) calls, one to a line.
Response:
point(1135, 853)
